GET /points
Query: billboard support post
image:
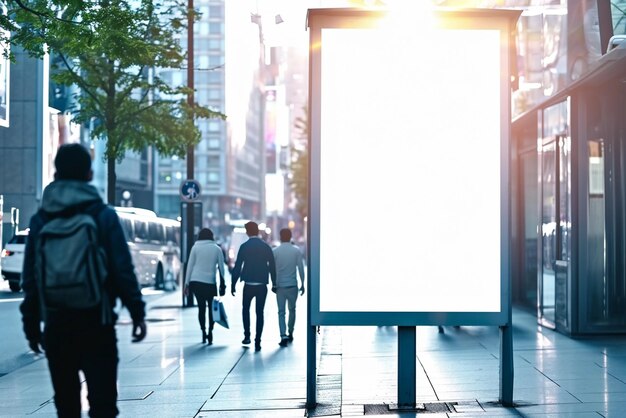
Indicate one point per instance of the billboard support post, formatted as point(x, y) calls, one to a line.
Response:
point(407, 363)
point(311, 353)
point(506, 365)
point(311, 367)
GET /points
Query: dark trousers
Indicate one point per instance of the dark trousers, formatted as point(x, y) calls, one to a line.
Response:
point(260, 293)
point(89, 347)
point(204, 293)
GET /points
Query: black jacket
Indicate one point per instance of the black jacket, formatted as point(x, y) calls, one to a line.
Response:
point(121, 282)
point(255, 261)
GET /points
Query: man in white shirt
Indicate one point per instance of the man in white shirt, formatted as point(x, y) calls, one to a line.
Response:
point(288, 263)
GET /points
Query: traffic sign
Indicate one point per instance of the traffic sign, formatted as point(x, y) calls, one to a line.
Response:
point(190, 190)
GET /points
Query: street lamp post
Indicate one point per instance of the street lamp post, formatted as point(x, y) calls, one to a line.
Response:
point(256, 19)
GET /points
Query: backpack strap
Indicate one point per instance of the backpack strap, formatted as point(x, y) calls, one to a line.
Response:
point(106, 310)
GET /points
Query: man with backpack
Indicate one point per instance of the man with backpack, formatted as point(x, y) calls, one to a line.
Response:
point(76, 264)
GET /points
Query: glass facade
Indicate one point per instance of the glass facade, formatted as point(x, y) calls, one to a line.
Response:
point(580, 229)
point(556, 219)
point(527, 294)
point(606, 220)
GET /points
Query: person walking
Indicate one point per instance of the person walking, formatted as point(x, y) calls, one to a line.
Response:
point(255, 261)
point(79, 339)
point(289, 263)
point(205, 260)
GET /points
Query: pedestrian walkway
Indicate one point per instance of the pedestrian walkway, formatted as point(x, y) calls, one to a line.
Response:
point(171, 374)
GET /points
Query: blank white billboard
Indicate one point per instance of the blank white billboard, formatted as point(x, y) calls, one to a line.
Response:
point(410, 173)
point(407, 170)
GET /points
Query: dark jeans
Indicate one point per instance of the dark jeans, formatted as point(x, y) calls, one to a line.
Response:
point(204, 294)
point(92, 348)
point(260, 293)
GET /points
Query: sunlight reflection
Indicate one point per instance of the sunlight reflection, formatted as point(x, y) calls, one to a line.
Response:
point(165, 362)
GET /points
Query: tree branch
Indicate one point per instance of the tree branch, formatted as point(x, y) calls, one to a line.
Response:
point(143, 109)
point(123, 95)
point(44, 15)
point(78, 80)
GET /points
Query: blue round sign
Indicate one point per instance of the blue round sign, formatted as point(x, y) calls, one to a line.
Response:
point(190, 190)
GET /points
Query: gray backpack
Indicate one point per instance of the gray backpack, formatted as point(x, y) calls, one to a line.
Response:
point(71, 264)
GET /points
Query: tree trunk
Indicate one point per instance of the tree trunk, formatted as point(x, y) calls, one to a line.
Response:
point(111, 180)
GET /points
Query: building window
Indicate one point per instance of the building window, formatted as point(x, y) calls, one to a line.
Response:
point(216, 11)
point(213, 177)
point(215, 61)
point(213, 161)
point(165, 177)
point(216, 28)
point(216, 44)
point(215, 77)
point(214, 143)
point(202, 77)
point(214, 126)
point(215, 94)
point(201, 44)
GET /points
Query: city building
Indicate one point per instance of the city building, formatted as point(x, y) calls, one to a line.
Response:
point(26, 141)
point(228, 162)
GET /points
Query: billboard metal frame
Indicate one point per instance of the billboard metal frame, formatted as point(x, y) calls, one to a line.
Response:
point(492, 19)
point(319, 19)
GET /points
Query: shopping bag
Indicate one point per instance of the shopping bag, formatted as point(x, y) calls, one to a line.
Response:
point(219, 313)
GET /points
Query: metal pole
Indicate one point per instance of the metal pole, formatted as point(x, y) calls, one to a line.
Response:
point(311, 354)
point(407, 363)
point(506, 365)
point(190, 148)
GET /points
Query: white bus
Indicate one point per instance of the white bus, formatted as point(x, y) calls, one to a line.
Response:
point(154, 245)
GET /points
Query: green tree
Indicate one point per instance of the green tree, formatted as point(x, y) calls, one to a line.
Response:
point(299, 180)
point(108, 48)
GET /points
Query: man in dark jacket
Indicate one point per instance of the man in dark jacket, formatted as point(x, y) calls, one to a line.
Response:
point(255, 261)
point(79, 339)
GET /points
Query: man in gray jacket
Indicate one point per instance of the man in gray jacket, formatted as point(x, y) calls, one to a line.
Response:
point(288, 263)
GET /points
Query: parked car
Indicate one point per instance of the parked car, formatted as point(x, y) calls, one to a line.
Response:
point(12, 259)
